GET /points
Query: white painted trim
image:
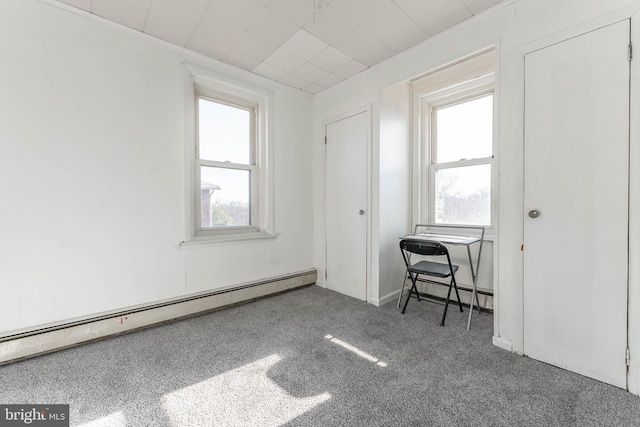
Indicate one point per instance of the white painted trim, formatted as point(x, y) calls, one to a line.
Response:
point(393, 296)
point(20, 346)
point(502, 343)
point(212, 84)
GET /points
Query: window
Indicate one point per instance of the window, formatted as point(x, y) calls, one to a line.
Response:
point(461, 160)
point(226, 164)
point(228, 173)
point(453, 179)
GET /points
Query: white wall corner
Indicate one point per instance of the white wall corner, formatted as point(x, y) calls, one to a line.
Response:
point(502, 343)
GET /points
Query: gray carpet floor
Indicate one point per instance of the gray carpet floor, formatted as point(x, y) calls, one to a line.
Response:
point(313, 357)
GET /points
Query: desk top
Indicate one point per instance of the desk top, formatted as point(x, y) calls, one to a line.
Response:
point(443, 238)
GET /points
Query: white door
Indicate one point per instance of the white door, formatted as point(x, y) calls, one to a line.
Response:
point(346, 201)
point(576, 204)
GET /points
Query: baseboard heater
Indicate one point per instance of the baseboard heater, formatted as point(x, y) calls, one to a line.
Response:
point(53, 338)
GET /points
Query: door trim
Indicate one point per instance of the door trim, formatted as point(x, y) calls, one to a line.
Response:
point(366, 109)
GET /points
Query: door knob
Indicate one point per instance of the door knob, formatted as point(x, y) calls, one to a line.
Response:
point(534, 213)
point(361, 212)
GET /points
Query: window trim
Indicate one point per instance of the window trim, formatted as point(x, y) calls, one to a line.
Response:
point(465, 79)
point(200, 82)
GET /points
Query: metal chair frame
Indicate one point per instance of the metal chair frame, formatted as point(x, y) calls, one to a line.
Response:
point(429, 268)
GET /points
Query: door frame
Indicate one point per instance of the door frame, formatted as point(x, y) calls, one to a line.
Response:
point(366, 109)
point(631, 12)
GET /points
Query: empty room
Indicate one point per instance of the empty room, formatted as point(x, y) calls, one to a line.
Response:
point(319, 212)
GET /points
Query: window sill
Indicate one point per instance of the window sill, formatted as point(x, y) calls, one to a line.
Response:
point(203, 241)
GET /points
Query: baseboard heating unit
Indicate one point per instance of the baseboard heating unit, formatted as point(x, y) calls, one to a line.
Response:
point(52, 338)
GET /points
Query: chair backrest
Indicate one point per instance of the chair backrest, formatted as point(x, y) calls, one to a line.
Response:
point(424, 247)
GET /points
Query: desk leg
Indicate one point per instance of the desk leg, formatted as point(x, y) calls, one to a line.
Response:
point(474, 295)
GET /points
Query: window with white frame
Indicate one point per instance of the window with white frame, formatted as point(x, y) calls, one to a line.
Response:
point(228, 158)
point(461, 157)
point(453, 182)
point(226, 164)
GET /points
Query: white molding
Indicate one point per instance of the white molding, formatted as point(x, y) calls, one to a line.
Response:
point(222, 85)
point(502, 343)
point(31, 343)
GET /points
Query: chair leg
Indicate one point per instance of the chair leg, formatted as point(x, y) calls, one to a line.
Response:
point(455, 286)
point(446, 304)
point(413, 288)
point(402, 290)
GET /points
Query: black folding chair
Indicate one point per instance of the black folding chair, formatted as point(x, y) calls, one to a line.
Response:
point(429, 268)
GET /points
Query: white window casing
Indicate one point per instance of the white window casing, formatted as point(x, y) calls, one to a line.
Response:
point(202, 83)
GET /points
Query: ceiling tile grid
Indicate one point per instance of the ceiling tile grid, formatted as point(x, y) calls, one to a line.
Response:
point(307, 44)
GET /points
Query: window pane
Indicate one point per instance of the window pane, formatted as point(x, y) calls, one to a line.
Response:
point(463, 195)
point(464, 131)
point(224, 132)
point(225, 199)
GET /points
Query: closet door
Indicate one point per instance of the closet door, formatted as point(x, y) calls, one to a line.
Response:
point(346, 203)
point(576, 203)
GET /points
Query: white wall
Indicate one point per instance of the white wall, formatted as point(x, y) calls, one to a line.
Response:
point(515, 27)
point(385, 88)
point(92, 189)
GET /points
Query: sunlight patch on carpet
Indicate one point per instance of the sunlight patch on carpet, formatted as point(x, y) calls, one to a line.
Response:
point(242, 396)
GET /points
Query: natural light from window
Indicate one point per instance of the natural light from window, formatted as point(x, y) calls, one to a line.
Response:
point(462, 158)
point(356, 351)
point(225, 148)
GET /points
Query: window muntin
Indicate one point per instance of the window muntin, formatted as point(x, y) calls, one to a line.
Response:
point(461, 143)
point(226, 166)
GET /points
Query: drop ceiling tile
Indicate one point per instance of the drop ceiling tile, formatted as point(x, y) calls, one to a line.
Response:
point(255, 17)
point(309, 72)
point(298, 12)
point(394, 28)
point(358, 11)
point(293, 81)
point(173, 20)
point(254, 46)
point(313, 88)
point(329, 25)
point(202, 4)
point(240, 60)
point(331, 59)
point(237, 11)
point(356, 41)
point(264, 2)
point(131, 13)
point(477, 6)
point(304, 44)
point(269, 72)
point(218, 30)
point(207, 46)
point(80, 4)
point(376, 55)
point(284, 60)
point(435, 16)
point(329, 80)
point(162, 29)
point(351, 69)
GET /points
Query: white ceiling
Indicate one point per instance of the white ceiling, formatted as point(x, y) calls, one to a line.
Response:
point(307, 44)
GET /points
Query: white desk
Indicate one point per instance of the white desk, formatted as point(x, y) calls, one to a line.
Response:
point(455, 240)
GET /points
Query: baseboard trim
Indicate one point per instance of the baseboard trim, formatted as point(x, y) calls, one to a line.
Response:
point(502, 343)
point(45, 340)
